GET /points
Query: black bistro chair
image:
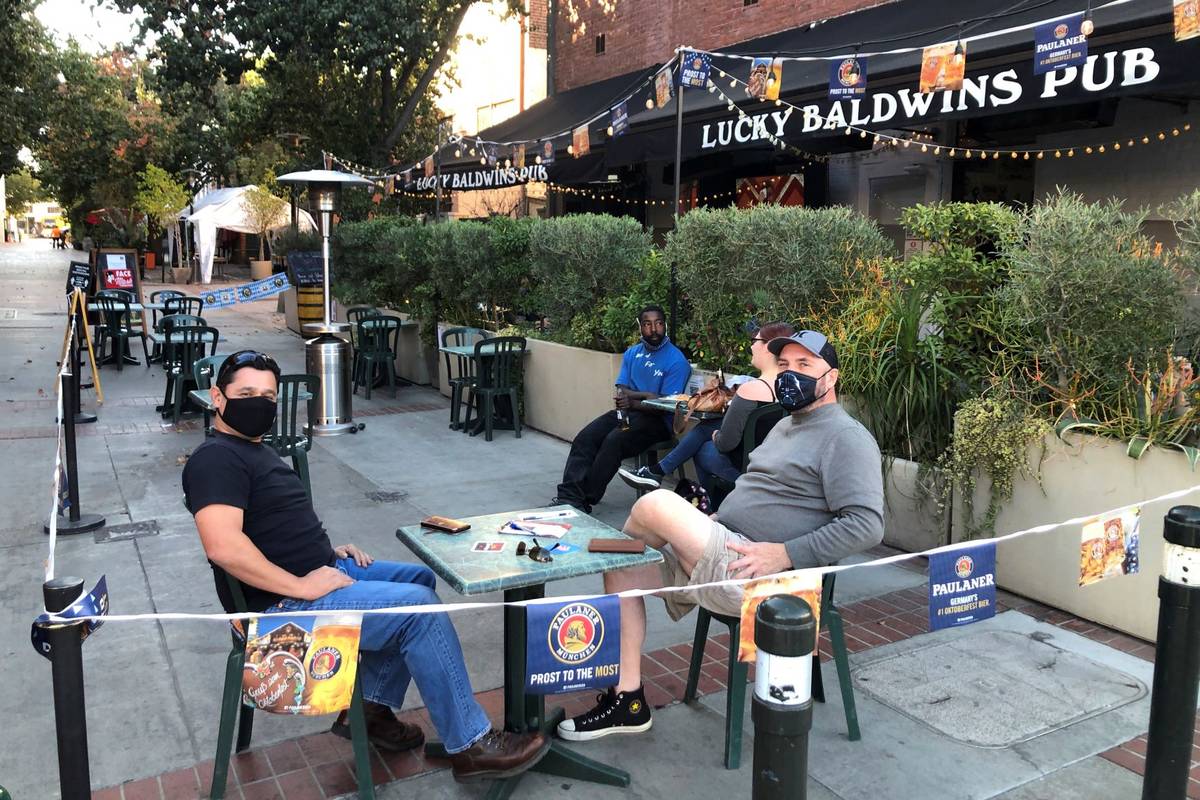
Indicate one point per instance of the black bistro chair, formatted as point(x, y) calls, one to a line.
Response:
point(117, 328)
point(289, 438)
point(183, 305)
point(378, 338)
point(499, 362)
point(188, 345)
point(464, 376)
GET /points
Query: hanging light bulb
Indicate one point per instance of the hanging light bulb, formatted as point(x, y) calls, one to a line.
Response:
point(483, 160)
point(1161, 136)
point(610, 130)
point(862, 135)
point(1014, 153)
point(712, 87)
point(960, 53)
point(570, 149)
point(732, 82)
point(967, 153)
point(471, 151)
point(1040, 155)
point(1187, 126)
point(906, 142)
point(924, 148)
point(849, 130)
point(1071, 153)
point(1088, 26)
point(1058, 154)
point(458, 152)
point(1175, 131)
point(937, 151)
point(649, 103)
point(1101, 148)
point(537, 159)
point(507, 163)
point(1025, 157)
point(1116, 145)
point(778, 102)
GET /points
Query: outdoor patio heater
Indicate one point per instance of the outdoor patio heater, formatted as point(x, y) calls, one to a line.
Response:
point(327, 355)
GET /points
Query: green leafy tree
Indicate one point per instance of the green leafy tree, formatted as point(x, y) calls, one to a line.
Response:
point(373, 61)
point(22, 190)
point(160, 197)
point(25, 77)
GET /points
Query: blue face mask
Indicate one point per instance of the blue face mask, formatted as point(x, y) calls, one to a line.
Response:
point(795, 390)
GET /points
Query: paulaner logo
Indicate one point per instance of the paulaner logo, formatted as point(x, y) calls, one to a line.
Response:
point(576, 633)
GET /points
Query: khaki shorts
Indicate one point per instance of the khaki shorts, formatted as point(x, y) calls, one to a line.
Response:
point(713, 566)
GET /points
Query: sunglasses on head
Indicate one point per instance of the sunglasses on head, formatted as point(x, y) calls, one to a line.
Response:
point(537, 552)
point(247, 358)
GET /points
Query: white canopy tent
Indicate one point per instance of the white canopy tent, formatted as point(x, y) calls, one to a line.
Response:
point(223, 208)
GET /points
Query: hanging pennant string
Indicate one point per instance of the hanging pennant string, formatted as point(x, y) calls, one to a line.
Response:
point(647, 85)
point(920, 48)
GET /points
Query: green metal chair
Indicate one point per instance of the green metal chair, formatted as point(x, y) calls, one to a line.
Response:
point(737, 673)
point(162, 332)
point(464, 376)
point(183, 305)
point(499, 377)
point(162, 295)
point(353, 315)
point(231, 697)
point(117, 328)
point(289, 438)
point(203, 373)
point(179, 361)
point(759, 423)
point(378, 338)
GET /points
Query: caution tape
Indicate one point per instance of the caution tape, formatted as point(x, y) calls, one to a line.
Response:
point(435, 608)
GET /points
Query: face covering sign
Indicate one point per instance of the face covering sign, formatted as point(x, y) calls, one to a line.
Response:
point(572, 646)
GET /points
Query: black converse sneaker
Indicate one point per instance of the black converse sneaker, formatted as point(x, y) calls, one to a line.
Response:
point(641, 478)
point(624, 712)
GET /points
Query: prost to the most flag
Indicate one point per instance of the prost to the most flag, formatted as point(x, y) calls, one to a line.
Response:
point(573, 645)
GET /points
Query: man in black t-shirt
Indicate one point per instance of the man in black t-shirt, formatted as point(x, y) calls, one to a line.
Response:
point(257, 525)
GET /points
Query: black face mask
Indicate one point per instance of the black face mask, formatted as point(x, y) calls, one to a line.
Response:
point(250, 416)
point(795, 390)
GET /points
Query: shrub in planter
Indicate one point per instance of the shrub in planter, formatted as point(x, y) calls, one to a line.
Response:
point(784, 262)
point(1087, 294)
point(578, 262)
point(378, 262)
point(502, 286)
point(460, 251)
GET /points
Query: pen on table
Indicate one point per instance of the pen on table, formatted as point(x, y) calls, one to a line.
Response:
point(544, 515)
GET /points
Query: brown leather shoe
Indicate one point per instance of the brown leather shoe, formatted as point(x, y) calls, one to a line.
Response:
point(383, 729)
point(499, 754)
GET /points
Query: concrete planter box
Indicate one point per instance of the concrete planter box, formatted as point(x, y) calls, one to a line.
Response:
point(1083, 477)
point(910, 519)
point(290, 312)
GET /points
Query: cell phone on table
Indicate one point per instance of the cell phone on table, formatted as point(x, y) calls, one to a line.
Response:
point(445, 524)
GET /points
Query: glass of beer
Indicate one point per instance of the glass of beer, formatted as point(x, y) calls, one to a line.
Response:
point(331, 663)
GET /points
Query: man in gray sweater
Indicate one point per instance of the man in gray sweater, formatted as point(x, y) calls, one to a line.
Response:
point(811, 495)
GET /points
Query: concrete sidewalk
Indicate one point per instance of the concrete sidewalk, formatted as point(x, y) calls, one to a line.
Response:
point(153, 688)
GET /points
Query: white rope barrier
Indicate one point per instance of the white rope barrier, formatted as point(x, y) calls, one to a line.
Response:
point(64, 369)
point(432, 608)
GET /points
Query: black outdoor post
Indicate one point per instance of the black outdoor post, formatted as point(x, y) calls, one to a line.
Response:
point(75, 521)
point(1176, 659)
point(66, 665)
point(785, 633)
point(678, 159)
point(77, 342)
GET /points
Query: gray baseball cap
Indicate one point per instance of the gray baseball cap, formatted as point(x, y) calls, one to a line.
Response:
point(813, 341)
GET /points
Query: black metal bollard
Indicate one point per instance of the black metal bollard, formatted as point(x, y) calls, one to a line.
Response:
point(75, 521)
point(785, 634)
point(70, 717)
point(1176, 659)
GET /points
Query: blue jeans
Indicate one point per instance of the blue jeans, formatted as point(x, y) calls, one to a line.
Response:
point(397, 648)
point(697, 444)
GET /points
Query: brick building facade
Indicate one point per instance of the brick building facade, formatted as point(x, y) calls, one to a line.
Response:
point(638, 33)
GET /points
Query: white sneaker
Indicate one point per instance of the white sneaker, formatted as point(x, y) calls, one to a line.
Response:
point(641, 478)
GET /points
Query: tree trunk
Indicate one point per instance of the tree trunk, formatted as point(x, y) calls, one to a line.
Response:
point(410, 105)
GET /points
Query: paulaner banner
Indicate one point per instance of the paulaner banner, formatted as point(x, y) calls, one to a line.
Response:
point(962, 586)
point(573, 646)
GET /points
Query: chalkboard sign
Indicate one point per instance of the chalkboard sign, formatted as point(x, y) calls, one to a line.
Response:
point(79, 276)
point(308, 269)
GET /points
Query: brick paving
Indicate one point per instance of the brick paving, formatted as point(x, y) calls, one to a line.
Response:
point(322, 766)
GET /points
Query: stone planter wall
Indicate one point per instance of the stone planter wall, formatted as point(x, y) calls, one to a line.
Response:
point(910, 518)
point(1082, 477)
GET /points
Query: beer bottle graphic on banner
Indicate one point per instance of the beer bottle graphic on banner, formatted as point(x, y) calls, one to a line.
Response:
point(329, 666)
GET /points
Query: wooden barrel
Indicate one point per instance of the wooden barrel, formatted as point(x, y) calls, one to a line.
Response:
point(310, 304)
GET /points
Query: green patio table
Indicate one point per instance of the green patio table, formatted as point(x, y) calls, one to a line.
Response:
point(522, 578)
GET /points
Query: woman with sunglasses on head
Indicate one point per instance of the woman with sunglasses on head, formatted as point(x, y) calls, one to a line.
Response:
point(715, 445)
point(257, 524)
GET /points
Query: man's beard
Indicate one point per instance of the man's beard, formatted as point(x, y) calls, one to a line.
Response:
point(655, 340)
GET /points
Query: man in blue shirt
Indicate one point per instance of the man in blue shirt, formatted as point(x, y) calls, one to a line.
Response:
point(651, 368)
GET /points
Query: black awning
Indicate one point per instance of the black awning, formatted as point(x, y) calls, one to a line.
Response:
point(910, 23)
point(554, 116)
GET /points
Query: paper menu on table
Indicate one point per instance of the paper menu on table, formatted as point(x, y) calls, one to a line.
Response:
point(545, 529)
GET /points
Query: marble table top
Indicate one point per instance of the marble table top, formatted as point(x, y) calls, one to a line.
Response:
point(469, 572)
